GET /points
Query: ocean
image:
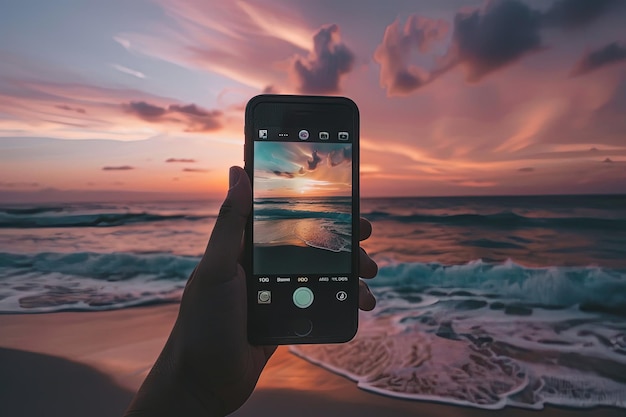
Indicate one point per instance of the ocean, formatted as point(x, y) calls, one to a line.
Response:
point(482, 301)
point(303, 230)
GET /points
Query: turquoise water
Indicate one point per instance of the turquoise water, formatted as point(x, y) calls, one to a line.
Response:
point(485, 302)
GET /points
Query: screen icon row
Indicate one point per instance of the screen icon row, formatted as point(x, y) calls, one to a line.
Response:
point(302, 297)
point(305, 135)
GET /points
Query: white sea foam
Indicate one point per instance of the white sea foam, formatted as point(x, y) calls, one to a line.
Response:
point(488, 336)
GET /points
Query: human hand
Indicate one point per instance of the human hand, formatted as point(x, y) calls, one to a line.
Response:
point(207, 366)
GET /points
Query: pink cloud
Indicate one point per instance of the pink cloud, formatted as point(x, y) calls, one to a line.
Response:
point(393, 55)
point(484, 40)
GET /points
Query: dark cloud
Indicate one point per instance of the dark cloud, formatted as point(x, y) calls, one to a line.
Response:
point(593, 60)
point(69, 108)
point(320, 72)
point(283, 174)
point(181, 160)
point(339, 156)
point(314, 161)
point(118, 168)
point(488, 39)
point(146, 111)
point(574, 14)
point(18, 184)
point(192, 109)
point(195, 119)
point(194, 170)
point(394, 53)
point(526, 169)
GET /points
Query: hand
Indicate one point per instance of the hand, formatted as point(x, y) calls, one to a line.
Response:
point(207, 366)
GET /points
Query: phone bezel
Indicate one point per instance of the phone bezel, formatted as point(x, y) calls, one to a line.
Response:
point(254, 336)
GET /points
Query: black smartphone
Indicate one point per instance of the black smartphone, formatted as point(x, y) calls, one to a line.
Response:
point(301, 251)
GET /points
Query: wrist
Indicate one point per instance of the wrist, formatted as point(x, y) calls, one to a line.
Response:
point(164, 394)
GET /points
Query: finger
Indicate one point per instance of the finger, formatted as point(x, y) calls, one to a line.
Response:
point(219, 262)
point(365, 229)
point(367, 301)
point(367, 267)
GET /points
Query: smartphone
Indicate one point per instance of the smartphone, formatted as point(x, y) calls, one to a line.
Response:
point(301, 252)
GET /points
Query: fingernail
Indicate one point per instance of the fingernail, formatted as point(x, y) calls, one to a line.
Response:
point(233, 177)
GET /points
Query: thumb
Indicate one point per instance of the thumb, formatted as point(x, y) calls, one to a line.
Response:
point(219, 262)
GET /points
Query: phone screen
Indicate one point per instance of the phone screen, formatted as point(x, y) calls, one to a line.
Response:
point(304, 250)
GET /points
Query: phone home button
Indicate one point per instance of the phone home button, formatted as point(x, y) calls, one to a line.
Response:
point(302, 297)
point(302, 327)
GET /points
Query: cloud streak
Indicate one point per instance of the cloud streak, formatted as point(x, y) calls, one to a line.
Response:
point(242, 41)
point(118, 168)
point(129, 71)
point(610, 54)
point(70, 108)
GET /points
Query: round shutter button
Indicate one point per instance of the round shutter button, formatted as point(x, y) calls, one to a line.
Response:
point(303, 297)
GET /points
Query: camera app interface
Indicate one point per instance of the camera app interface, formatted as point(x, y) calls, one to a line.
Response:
point(302, 203)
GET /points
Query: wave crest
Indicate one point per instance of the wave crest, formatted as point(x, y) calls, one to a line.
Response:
point(46, 282)
point(549, 286)
point(27, 220)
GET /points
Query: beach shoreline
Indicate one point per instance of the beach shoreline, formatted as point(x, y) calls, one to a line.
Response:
point(77, 361)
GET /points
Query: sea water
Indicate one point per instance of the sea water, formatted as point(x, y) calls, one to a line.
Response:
point(482, 301)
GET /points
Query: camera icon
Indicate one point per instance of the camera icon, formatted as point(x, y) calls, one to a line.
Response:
point(303, 134)
point(343, 135)
point(324, 135)
point(264, 297)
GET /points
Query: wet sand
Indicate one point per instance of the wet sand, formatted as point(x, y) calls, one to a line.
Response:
point(294, 259)
point(90, 363)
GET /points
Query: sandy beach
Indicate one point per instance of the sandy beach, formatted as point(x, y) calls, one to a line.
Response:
point(90, 363)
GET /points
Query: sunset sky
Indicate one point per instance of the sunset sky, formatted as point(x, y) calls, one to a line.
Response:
point(291, 169)
point(457, 97)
